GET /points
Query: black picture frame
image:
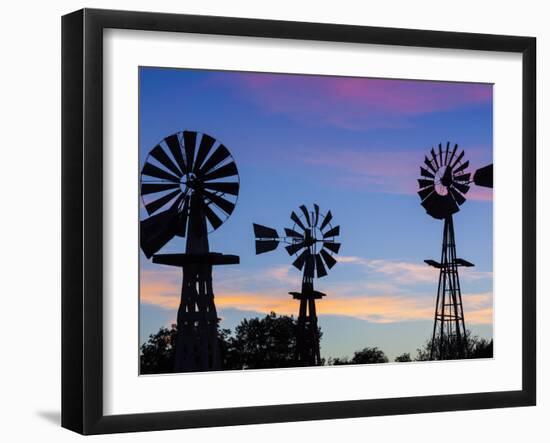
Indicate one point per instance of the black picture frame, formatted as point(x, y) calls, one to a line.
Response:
point(82, 190)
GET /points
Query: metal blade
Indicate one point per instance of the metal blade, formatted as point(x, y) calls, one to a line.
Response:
point(219, 155)
point(153, 171)
point(462, 167)
point(316, 210)
point(266, 246)
point(226, 188)
point(222, 203)
point(440, 206)
point(453, 154)
point(292, 249)
point(425, 173)
point(326, 221)
point(300, 261)
point(434, 158)
point(204, 148)
point(458, 159)
point(462, 178)
point(321, 270)
point(428, 163)
point(462, 188)
point(332, 246)
point(189, 143)
point(423, 183)
point(292, 233)
point(214, 220)
point(225, 171)
point(451, 203)
point(151, 188)
point(297, 220)
point(459, 198)
point(306, 214)
point(155, 205)
point(447, 152)
point(261, 231)
point(424, 193)
point(440, 155)
point(158, 153)
point(173, 143)
point(329, 259)
point(332, 232)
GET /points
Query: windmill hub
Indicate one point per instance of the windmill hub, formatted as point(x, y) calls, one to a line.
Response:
point(447, 178)
point(193, 182)
point(443, 179)
point(310, 237)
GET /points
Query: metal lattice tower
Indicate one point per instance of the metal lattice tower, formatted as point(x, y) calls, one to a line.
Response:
point(312, 240)
point(188, 199)
point(449, 331)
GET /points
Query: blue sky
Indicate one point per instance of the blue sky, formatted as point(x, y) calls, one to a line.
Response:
point(353, 146)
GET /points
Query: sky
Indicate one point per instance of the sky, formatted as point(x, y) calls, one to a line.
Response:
point(354, 147)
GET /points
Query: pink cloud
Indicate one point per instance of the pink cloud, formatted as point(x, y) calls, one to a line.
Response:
point(354, 103)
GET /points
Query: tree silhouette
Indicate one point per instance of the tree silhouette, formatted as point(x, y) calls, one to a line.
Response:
point(157, 354)
point(269, 342)
point(403, 357)
point(364, 356)
point(257, 343)
point(475, 348)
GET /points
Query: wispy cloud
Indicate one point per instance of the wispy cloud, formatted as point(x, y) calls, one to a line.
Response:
point(407, 273)
point(377, 309)
point(162, 289)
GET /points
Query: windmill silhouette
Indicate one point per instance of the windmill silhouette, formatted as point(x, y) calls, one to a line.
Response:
point(312, 240)
point(189, 187)
point(443, 186)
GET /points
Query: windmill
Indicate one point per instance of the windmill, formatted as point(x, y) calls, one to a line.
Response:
point(189, 187)
point(312, 241)
point(443, 186)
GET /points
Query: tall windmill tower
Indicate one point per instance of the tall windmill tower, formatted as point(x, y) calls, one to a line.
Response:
point(312, 240)
point(443, 185)
point(189, 187)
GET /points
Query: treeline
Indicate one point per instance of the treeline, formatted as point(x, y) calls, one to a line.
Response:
point(270, 342)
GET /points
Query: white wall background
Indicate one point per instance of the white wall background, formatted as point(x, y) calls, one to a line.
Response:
point(30, 224)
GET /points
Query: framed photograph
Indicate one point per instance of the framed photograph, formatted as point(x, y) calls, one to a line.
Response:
point(269, 221)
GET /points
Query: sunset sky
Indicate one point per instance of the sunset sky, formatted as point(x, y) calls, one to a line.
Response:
point(353, 146)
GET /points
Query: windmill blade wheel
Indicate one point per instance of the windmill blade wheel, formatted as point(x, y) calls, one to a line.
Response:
point(183, 168)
